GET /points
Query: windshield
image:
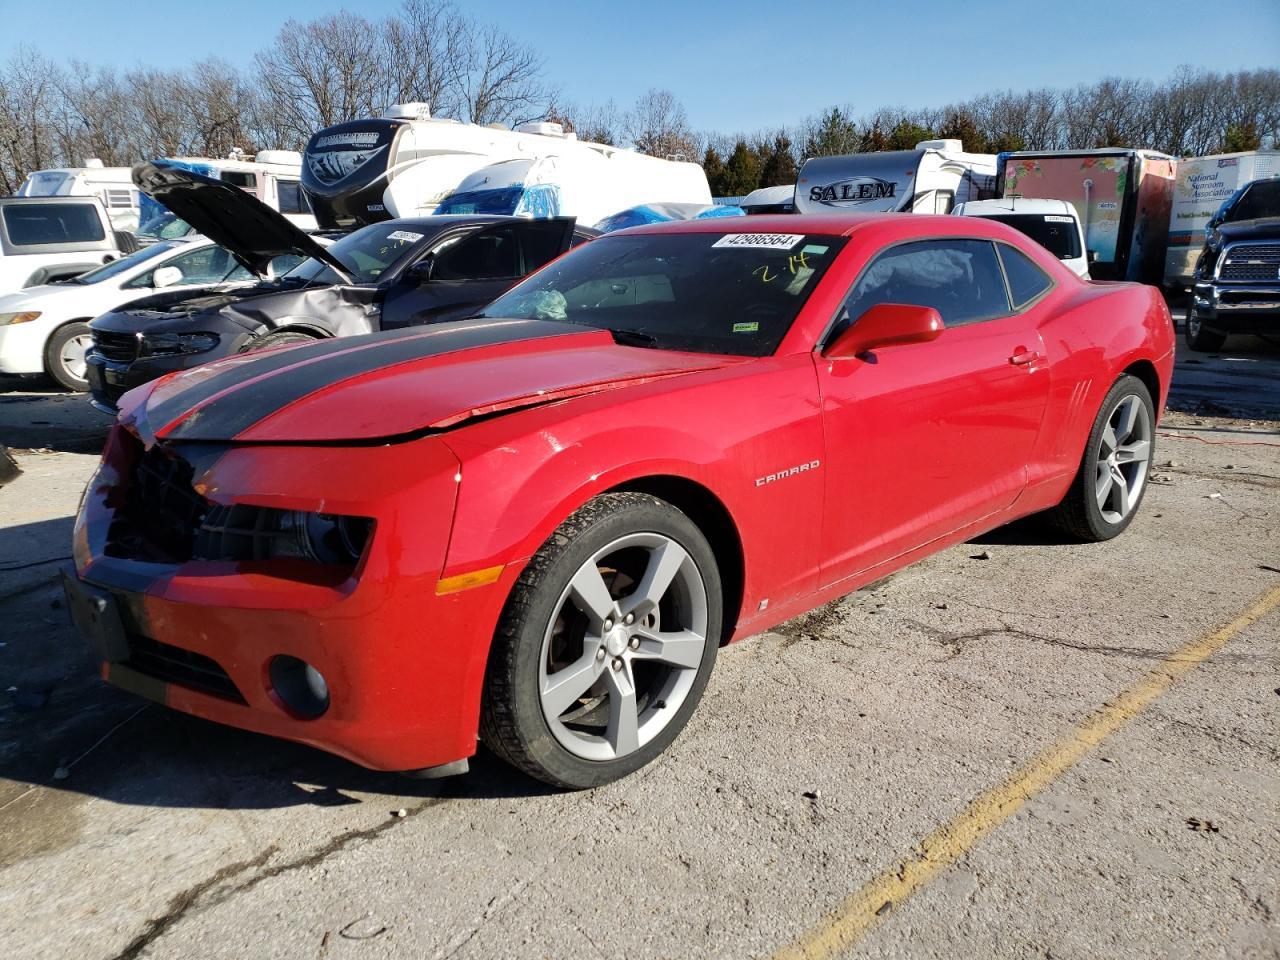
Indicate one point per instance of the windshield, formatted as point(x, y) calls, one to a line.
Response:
point(125, 264)
point(499, 200)
point(1056, 233)
point(1261, 199)
point(166, 226)
point(367, 254)
point(31, 224)
point(734, 293)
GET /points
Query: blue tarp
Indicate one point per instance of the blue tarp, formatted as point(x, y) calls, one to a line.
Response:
point(149, 209)
point(664, 213)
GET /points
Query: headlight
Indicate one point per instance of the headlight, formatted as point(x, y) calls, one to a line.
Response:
point(26, 316)
point(172, 344)
point(243, 532)
point(322, 537)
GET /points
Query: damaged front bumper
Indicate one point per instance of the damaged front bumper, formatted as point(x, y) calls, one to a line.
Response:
point(365, 662)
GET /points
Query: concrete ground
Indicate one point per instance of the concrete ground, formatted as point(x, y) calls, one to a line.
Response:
point(821, 756)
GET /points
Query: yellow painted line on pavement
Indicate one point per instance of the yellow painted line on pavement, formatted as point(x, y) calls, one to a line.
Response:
point(864, 910)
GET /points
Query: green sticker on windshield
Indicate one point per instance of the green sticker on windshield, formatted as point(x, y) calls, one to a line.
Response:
point(814, 249)
point(748, 327)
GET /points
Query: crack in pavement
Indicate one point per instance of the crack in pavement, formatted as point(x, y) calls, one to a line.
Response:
point(193, 897)
point(954, 642)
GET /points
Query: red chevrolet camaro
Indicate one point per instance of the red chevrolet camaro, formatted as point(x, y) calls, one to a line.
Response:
point(535, 527)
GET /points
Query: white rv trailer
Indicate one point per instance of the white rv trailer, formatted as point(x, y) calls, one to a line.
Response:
point(112, 185)
point(273, 176)
point(408, 163)
point(932, 178)
point(1201, 185)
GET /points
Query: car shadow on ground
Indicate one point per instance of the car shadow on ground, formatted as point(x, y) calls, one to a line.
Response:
point(37, 414)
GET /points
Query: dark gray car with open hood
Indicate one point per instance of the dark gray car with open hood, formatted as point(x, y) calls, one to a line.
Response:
point(387, 275)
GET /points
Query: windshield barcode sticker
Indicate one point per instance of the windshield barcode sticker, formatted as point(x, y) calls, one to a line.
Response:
point(758, 241)
point(1055, 218)
point(404, 235)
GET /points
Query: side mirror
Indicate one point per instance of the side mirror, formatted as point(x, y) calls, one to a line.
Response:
point(1093, 256)
point(166, 277)
point(421, 271)
point(886, 325)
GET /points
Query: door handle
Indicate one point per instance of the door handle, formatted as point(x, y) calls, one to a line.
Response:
point(1024, 357)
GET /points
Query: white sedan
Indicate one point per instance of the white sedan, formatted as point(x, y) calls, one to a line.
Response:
point(45, 329)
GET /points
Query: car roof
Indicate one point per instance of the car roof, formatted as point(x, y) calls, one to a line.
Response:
point(834, 225)
point(975, 208)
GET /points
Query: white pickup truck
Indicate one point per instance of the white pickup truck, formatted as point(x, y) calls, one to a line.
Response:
point(43, 239)
point(1054, 224)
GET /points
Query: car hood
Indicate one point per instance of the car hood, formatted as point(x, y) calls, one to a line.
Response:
point(253, 232)
point(1266, 228)
point(394, 385)
point(179, 310)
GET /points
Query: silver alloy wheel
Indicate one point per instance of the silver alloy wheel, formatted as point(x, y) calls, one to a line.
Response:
point(72, 355)
point(622, 651)
point(1124, 455)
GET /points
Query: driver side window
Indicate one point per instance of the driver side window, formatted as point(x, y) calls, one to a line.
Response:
point(489, 255)
point(961, 279)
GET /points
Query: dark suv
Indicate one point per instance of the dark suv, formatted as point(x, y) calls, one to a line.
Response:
point(395, 273)
point(1237, 278)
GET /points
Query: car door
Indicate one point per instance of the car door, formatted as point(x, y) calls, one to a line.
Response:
point(469, 270)
point(924, 438)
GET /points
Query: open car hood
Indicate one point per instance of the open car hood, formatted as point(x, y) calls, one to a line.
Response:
point(395, 385)
point(253, 232)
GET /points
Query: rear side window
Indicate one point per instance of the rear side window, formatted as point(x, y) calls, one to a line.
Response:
point(1026, 280)
point(961, 279)
point(30, 224)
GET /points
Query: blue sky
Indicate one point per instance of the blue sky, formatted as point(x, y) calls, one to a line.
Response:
point(735, 65)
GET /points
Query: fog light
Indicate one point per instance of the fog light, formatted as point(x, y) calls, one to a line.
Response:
point(300, 686)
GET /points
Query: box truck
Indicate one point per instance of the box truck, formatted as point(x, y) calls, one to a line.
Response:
point(1123, 197)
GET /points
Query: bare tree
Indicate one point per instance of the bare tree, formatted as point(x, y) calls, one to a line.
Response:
point(495, 77)
point(659, 126)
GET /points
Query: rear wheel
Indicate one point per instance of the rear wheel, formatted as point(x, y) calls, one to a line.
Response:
point(1108, 489)
point(280, 339)
point(606, 644)
point(64, 356)
point(1199, 337)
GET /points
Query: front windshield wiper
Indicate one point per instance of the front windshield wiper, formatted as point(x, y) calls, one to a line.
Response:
point(633, 338)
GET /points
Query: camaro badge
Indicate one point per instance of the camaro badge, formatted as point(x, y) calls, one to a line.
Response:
point(789, 472)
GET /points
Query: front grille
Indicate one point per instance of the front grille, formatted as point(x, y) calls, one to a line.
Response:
point(161, 511)
point(182, 667)
point(1251, 262)
point(116, 346)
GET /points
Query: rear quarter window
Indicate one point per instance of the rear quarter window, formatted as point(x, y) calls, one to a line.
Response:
point(1026, 280)
point(33, 224)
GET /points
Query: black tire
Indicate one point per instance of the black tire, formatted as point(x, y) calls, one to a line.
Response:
point(1079, 515)
point(54, 363)
point(512, 723)
point(1199, 337)
point(280, 339)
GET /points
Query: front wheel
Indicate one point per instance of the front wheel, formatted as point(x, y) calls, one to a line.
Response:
point(605, 645)
point(1199, 337)
point(1107, 491)
point(64, 356)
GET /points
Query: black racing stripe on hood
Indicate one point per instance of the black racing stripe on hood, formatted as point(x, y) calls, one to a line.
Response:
point(226, 417)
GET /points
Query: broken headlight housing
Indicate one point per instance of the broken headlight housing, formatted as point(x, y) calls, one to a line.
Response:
point(244, 532)
point(173, 344)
